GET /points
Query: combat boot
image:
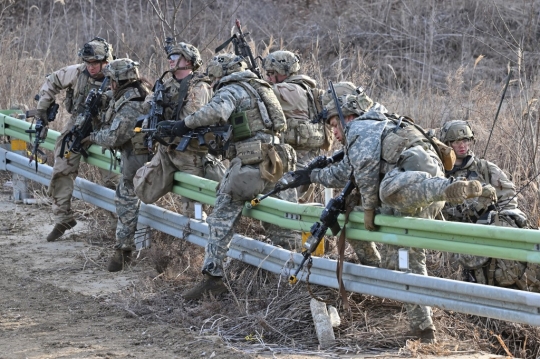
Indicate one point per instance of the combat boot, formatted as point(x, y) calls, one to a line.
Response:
point(209, 285)
point(120, 259)
point(426, 336)
point(459, 191)
point(59, 230)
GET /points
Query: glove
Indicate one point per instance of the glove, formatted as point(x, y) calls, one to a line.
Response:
point(165, 128)
point(517, 215)
point(42, 115)
point(369, 220)
point(87, 141)
point(301, 177)
point(180, 129)
point(489, 191)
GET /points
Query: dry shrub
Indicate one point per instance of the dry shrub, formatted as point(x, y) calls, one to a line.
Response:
point(434, 61)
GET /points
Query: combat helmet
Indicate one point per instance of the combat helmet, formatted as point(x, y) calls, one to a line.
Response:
point(122, 70)
point(348, 88)
point(283, 62)
point(455, 131)
point(349, 106)
point(225, 64)
point(96, 50)
point(188, 51)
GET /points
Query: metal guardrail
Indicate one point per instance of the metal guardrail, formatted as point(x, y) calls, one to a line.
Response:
point(499, 303)
point(490, 241)
point(493, 302)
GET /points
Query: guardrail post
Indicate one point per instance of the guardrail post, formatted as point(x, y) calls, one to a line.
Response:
point(143, 237)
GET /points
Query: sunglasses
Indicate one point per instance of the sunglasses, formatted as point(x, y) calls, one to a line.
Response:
point(174, 57)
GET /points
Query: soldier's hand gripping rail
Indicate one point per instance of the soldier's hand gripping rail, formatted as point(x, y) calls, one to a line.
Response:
point(40, 132)
point(328, 220)
point(73, 139)
point(295, 179)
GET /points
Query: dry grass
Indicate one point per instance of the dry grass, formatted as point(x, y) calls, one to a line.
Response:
point(435, 61)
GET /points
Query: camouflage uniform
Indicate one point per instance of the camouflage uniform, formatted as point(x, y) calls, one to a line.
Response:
point(124, 110)
point(77, 82)
point(231, 97)
point(483, 210)
point(402, 190)
point(156, 178)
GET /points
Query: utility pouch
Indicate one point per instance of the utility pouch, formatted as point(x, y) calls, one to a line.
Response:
point(392, 147)
point(139, 147)
point(448, 155)
point(250, 153)
point(287, 155)
point(68, 101)
point(240, 125)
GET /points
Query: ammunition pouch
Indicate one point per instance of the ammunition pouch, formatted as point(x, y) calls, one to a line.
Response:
point(250, 153)
point(287, 155)
point(303, 134)
point(138, 143)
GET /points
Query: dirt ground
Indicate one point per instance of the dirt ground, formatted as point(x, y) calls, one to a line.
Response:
point(58, 300)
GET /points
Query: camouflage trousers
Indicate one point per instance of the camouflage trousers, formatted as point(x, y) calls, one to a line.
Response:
point(240, 183)
point(126, 201)
point(305, 192)
point(155, 179)
point(416, 194)
point(65, 170)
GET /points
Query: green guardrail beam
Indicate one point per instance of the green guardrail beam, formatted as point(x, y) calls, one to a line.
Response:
point(491, 241)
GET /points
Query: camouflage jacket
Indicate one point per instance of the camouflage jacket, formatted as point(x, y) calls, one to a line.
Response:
point(78, 83)
point(122, 116)
point(230, 97)
point(363, 145)
point(487, 172)
point(198, 94)
point(293, 96)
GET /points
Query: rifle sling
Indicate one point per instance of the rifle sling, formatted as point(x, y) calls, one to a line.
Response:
point(341, 254)
point(182, 93)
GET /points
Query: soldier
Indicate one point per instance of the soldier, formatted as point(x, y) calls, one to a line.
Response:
point(301, 103)
point(412, 184)
point(184, 93)
point(77, 80)
point(129, 92)
point(497, 205)
point(257, 160)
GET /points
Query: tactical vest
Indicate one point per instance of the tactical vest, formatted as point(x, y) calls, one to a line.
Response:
point(404, 136)
point(137, 141)
point(303, 134)
point(176, 93)
point(76, 97)
point(265, 115)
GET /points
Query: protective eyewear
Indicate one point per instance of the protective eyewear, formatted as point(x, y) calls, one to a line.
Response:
point(174, 57)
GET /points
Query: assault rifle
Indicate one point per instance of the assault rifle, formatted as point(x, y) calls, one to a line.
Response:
point(290, 181)
point(328, 220)
point(217, 146)
point(241, 48)
point(73, 139)
point(39, 131)
point(149, 122)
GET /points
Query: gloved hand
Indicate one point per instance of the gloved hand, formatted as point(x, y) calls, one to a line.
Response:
point(87, 141)
point(301, 177)
point(517, 215)
point(489, 191)
point(180, 129)
point(42, 115)
point(369, 219)
point(106, 98)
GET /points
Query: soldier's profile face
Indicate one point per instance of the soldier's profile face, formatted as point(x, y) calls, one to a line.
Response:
point(274, 78)
point(336, 128)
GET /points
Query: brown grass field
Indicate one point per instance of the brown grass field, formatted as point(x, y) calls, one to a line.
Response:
point(431, 60)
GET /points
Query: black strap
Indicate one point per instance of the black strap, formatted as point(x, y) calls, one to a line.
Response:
point(182, 93)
